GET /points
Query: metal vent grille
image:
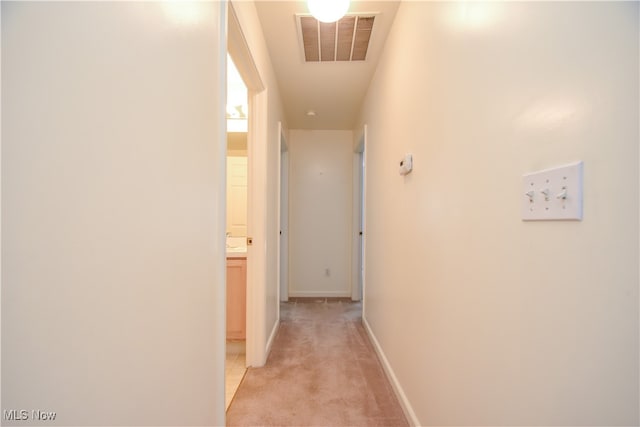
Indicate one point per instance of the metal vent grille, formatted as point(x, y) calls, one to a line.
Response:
point(344, 40)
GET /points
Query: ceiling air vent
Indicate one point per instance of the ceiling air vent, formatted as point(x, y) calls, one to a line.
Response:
point(343, 40)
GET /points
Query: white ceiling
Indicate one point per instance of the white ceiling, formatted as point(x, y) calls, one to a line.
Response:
point(334, 90)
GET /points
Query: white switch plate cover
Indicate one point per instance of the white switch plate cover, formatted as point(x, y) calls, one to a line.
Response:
point(567, 180)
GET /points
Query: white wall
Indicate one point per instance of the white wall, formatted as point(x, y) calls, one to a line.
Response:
point(269, 173)
point(113, 154)
point(320, 206)
point(486, 319)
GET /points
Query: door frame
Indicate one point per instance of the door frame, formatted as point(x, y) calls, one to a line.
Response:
point(239, 51)
point(359, 218)
point(283, 218)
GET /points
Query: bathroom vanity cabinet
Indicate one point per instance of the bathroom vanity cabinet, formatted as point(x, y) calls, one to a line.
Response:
point(236, 298)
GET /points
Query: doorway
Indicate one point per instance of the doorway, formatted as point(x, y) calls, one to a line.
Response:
point(237, 112)
point(283, 271)
point(257, 135)
point(359, 218)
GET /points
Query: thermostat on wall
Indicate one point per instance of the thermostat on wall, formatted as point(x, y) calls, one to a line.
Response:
point(406, 164)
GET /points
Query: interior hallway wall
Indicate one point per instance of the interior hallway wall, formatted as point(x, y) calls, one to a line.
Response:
point(483, 318)
point(320, 213)
point(113, 160)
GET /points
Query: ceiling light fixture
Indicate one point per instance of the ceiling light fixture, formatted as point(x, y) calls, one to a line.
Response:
point(311, 113)
point(328, 10)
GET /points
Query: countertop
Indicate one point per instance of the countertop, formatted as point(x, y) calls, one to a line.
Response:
point(238, 252)
point(236, 247)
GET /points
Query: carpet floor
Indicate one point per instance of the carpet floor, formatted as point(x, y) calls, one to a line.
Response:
point(322, 371)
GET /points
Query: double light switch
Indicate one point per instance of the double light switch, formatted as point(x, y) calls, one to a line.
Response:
point(553, 194)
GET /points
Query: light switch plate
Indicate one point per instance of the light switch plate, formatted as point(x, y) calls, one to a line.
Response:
point(553, 194)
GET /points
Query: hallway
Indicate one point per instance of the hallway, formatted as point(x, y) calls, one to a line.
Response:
point(322, 370)
point(114, 196)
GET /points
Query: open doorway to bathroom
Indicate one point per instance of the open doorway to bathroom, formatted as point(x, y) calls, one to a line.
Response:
point(236, 230)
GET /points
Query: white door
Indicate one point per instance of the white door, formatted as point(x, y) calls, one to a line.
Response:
point(284, 218)
point(359, 211)
point(361, 226)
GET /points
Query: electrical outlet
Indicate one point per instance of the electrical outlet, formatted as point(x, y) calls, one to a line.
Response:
point(553, 194)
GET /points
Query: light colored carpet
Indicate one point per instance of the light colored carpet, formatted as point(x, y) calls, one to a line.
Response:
point(322, 371)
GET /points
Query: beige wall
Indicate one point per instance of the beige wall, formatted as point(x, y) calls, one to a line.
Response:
point(485, 319)
point(320, 213)
point(112, 238)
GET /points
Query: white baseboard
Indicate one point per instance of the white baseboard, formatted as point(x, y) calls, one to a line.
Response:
point(319, 294)
point(272, 337)
point(397, 388)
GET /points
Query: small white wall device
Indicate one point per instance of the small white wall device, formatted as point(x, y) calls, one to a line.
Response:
point(406, 164)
